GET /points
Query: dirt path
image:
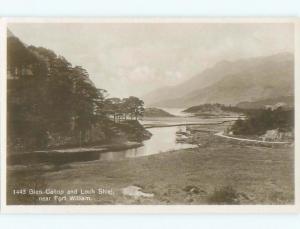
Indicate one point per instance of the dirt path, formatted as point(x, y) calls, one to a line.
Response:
point(221, 134)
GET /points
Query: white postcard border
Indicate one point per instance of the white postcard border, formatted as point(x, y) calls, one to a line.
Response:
point(141, 209)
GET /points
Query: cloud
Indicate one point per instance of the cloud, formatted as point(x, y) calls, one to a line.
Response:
point(141, 74)
point(173, 77)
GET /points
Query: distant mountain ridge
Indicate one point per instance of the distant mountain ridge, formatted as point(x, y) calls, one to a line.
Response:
point(287, 101)
point(231, 82)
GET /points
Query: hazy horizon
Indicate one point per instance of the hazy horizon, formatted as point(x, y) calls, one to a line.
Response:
point(134, 59)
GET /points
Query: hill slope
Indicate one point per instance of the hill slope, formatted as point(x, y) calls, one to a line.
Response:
point(156, 112)
point(232, 82)
point(287, 101)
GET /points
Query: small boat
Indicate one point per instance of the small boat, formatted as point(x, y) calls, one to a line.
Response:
point(181, 138)
point(182, 131)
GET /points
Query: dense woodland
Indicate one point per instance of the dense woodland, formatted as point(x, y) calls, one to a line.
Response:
point(259, 121)
point(50, 98)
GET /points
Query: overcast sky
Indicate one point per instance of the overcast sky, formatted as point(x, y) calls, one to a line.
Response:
point(133, 59)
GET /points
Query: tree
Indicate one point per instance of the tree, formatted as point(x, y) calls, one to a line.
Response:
point(85, 98)
point(113, 107)
point(125, 107)
point(135, 107)
point(99, 103)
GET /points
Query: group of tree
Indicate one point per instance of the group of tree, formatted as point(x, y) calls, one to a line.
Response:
point(260, 120)
point(123, 109)
point(46, 94)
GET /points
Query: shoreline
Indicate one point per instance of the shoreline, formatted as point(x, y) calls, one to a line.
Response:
point(68, 155)
point(92, 153)
point(183, 124)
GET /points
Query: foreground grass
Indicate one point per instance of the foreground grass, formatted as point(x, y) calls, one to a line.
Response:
point(219, 172)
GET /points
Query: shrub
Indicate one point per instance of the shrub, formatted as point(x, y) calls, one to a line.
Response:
point(224, 195)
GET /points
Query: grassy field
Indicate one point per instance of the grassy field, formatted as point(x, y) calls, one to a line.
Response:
point(218, 172)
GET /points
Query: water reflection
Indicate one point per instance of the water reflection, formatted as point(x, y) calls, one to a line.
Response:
point(163, 139)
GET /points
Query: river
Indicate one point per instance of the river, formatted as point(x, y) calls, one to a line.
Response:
point(163, 137)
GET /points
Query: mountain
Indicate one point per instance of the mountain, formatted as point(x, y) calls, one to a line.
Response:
point(231, 82)
point(206, 78)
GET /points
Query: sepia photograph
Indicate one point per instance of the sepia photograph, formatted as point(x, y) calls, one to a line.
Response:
point(150, 112)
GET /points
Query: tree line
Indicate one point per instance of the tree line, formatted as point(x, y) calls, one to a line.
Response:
point(123, 109)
